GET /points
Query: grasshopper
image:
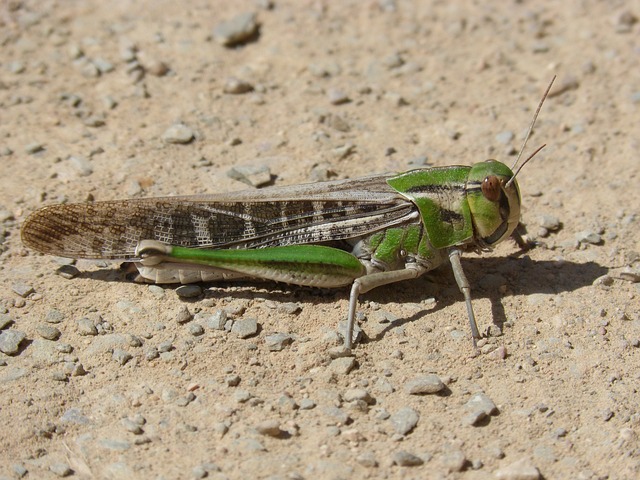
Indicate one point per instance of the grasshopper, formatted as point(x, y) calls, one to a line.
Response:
point(364, 232)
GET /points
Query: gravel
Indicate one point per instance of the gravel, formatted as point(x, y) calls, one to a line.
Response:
point(121, 356)
point(358, 394)
point(48, 332)
point(10, 341)
point(253, 175)
point(5, 320)
point(183, 315)
point(22, 289)
point(404, 420)
point(521, 469)
point(270, 428)
point(478, 408)
point(236, 86)
point(87, 327)
point(196, 329)
point(178, 134)
point(343, 365)
point(425, 384)
point(61, 469)
point(454, 460)
point(587, 236)
point(278, 341)
point(189, 291)
point(406, 459)
point(238, 30)
point(245, 327)
point(217, 320)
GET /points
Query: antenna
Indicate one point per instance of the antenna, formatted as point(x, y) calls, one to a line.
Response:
point(526, 138)
point(506, 185)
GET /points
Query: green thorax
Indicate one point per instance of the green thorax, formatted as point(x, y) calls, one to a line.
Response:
point(439, 193)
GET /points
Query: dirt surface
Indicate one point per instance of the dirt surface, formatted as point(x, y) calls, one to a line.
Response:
point(108, 384)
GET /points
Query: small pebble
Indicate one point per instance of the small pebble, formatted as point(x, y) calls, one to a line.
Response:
point(337, 416)
point(270, 428)
point(151, 353)
point(338, 123)
point(217, 320)
point(278, 341)
point(253, 175)
point(10, 341)
point(355, 394)
point(196, 329)
point(245, 327)
point(337, 97)
point(480, 401)
point(424, 385)
point(560, 432)
point(121, 356)
point(587, 236)
point(103, 66)
point(199, 472)
point(290, 308)
point(605, 280)
point(232, 380)
point(235, 86)
point(623, 21)
point(156, 290)
point(628, 274)
point(550, 222)
point(307, 404)
point(87, 327)
point(406, 459)
point(473, 417)
point(5, 321)
point(178, 134)
point(22, 289)
point(19, 470)
point(519, 470)
point(183, 315)
point(59, 377)
point(34, 147)
point(189, 291)
point(242, 396)
point(61, 469)
point(238, 30)
point(88, 69)
point(68, 271)
point(342, 365)
point(78, 370)
point(404, 420)
point(156, 67)
point(454, 460)
point(367, 459)
point(48, 332)
point(567, 83)
point(64, 348)
point(131, 426)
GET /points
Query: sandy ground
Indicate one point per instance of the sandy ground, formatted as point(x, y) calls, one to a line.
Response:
point(89, 88)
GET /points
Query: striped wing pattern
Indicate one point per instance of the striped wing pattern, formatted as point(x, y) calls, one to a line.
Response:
point(300, 214)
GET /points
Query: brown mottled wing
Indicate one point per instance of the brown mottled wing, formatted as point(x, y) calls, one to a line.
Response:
point(300, 214)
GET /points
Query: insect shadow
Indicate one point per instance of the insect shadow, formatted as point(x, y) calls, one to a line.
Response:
point(523, 276)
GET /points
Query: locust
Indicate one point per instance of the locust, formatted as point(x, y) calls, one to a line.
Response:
point(364, 232)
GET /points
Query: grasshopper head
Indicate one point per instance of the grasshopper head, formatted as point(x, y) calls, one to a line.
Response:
point(494, 201)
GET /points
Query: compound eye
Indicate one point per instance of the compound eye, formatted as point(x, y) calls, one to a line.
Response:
point(491, 188)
